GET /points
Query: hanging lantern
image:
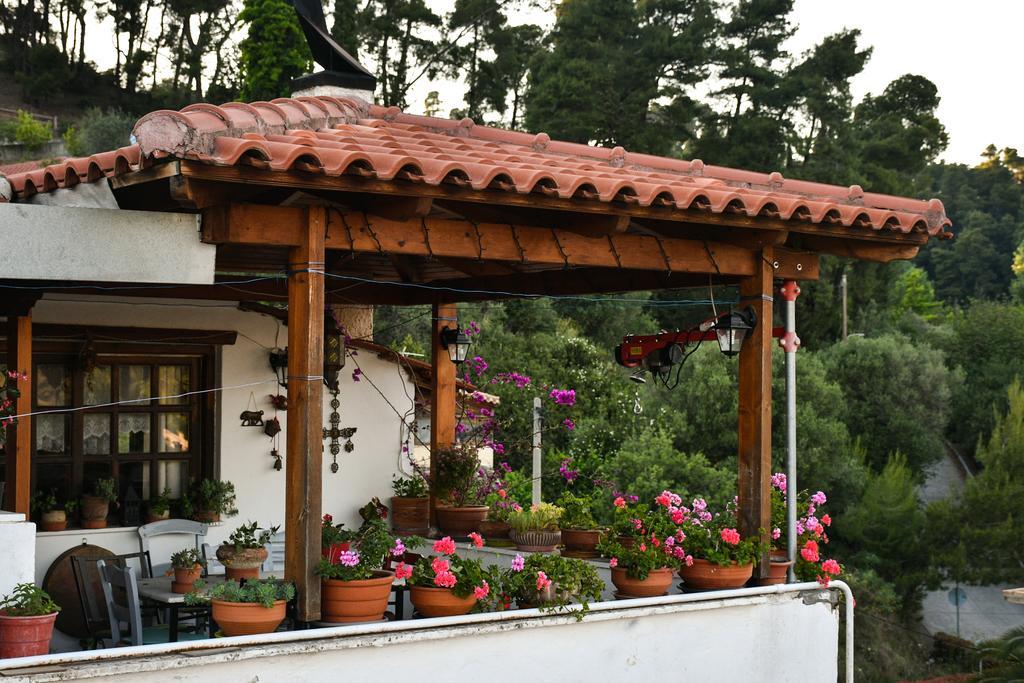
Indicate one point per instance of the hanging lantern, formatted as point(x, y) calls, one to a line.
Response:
point(457, 342)
point(279, 364)
point(334, 354)
point(732, 329)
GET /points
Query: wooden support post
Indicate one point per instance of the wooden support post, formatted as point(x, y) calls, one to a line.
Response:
point(442, 395)
point(19, 436)
point(304, 457)
point(755, 407)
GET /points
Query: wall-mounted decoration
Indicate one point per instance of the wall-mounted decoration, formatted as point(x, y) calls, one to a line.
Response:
point(272, 427)
point(278, 464)
point(251, 418)
point(279, 401)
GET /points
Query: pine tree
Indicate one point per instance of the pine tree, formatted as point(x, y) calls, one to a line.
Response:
point(274, 52)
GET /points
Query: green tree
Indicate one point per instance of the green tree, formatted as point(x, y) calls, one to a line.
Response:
point(395, 32)
point(915, 294)
point(346, 27)
point(102, 131)
point(30, 132)
point(274, 52)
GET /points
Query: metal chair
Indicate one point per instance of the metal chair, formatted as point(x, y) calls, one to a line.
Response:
point(121, 592)
point(185, 527)
point(88, 580)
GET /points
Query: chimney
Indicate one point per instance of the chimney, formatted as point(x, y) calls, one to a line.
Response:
point(343, 75)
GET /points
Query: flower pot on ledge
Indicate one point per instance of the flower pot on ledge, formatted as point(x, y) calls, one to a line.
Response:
point(25, 636)
point(184, 579)
point(581, 543)
point(247, 618)
point(439, 602)
point(704, 575)
point(655, 585)
point(536, 541)
point(460, 521)
point(345, 602)
point(778, 570)
point(241, 564)
point(54, 520)
point(94, 512)
point(410, 516)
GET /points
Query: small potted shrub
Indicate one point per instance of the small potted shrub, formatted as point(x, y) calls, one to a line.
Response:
point(495, 528)
point(245, 551)
point(160, 507)
point(96, 507)
point(580, 533)
point(461, 486)
point(210, 499)
point(186, 565)
point(52, 515)
point(354, 584)
point(722, 558)
point(410, 506)
point(446, 585)
point(244, 610)
point(551, 583)
point(535, 529)
point(643, 566)
point(26, 622)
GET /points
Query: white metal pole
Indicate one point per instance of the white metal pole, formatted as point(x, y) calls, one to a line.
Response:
point(537, 460)
point(790, 343)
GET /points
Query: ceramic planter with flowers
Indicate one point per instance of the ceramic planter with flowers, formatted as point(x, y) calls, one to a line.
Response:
point(258, 606)
point(580, 533)
point(445, 584)
point(186, 566)
point(52, 515)
point(462, 487)
point(96, 507)
point(648, 548)
point(811, 536)
point(721, 557)
point(535, 529)
point(245, 551)
point(550, 583)
point(410, 506)
point(495, 528)
point(26, 622)
point(354, 584)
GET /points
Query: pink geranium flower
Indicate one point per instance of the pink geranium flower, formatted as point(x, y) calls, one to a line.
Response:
point(730, 536)
point(481, 591)
point(613, 563)
point(831, 567)
point(542, 581)
point(440, 565)
point(403, 571)
point(445, 546)
point(518, 563)
point(445, 580)
point(349, 558)
point(620, 502)
point(477, 539)
point(399, 548)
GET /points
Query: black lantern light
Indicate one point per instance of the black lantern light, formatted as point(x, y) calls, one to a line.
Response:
point(457, 342)
point(334, 354)
point(732, 329)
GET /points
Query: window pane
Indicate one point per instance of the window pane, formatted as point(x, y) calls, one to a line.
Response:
point(134, 382)
point(54, 477)
point(173, 380)
point(96, 434)
point(50, 434)
point(91, 472)
point(133, 433)
point(53, 385)
point(173, 475)
point(97, 385)
point(133, 477)
point(173, 429)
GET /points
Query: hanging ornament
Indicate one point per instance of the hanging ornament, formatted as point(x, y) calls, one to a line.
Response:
point(251, 417)
point(279, 401)
point(272, 427)
point(278, 464)
point(336, 433)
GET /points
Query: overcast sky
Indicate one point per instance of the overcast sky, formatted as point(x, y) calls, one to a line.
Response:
point(969, 50)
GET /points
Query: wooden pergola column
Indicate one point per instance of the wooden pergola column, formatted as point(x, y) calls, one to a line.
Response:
point(755, 407)
point(18, 490)
point(304, 455)
point(442, 395)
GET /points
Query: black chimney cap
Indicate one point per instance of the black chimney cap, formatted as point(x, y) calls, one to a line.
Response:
point(340, 68)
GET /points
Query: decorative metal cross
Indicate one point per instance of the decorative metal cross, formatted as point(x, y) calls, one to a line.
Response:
point(337, 433)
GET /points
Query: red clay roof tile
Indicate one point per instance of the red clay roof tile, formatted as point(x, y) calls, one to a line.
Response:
point(336, 136)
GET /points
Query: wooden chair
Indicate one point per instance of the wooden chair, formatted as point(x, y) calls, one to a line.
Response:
point(121, 592)
point(184, 527)
point(90, 593)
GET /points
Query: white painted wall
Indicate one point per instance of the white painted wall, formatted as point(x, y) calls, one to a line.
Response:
point(770, 637)
point(17, 561)
point(245, 451)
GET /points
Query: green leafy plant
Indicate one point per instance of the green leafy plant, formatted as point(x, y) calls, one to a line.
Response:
point(543, 517)
point(32, 133)
point(576, 512)
point(212, 496)
point(106, 489)
point(45, 502)
point(713, 537)
point(189, 558)
point(368, 550)
point(446, 569)
point(263, 592)
point(551, 583)
point(409, 487)
point(162, 503)
point(456, 481)
point(500, 505)
point(28, 600)
point(245, 536)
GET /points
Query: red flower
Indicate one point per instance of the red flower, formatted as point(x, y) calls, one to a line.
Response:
point(328, 519)
point(478, 540)
point(826, 520)
point(810, 551)
point(730, 536)
point(620, 502)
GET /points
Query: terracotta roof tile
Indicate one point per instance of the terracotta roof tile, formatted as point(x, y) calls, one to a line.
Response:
point(336, 136)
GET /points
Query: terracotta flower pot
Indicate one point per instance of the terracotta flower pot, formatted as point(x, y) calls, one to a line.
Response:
point(581, 543)
point(54, 520)
point(778, 571)
point(656, 584)
point(207, 517)
point(460, 521)
point(247, 618)
point(25, 636)
point(185, 578)
point(150, 517)
point(625, 541)
point(241, 564)
point(410, 516)
point(94, 512)
point(704, 575)
point(344, 602)
point(439, 602)
point(492, 528)
point(534, 541)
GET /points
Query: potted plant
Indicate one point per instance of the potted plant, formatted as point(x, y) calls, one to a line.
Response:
point(354, 584)
point(462, 486)
point(495, 527)
point(410, 506)
point(551, 583)
point(208, 500)
point(245, 551)
point(627, 508)
point(159, 507)
point(580, 533)
point(26, 622)
point(722, 558)
point(643, 566)
point(535, 529)
point(243, 610)
point(96, 507)
point(445, 585)
point(186, 565)
point(52, 515)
